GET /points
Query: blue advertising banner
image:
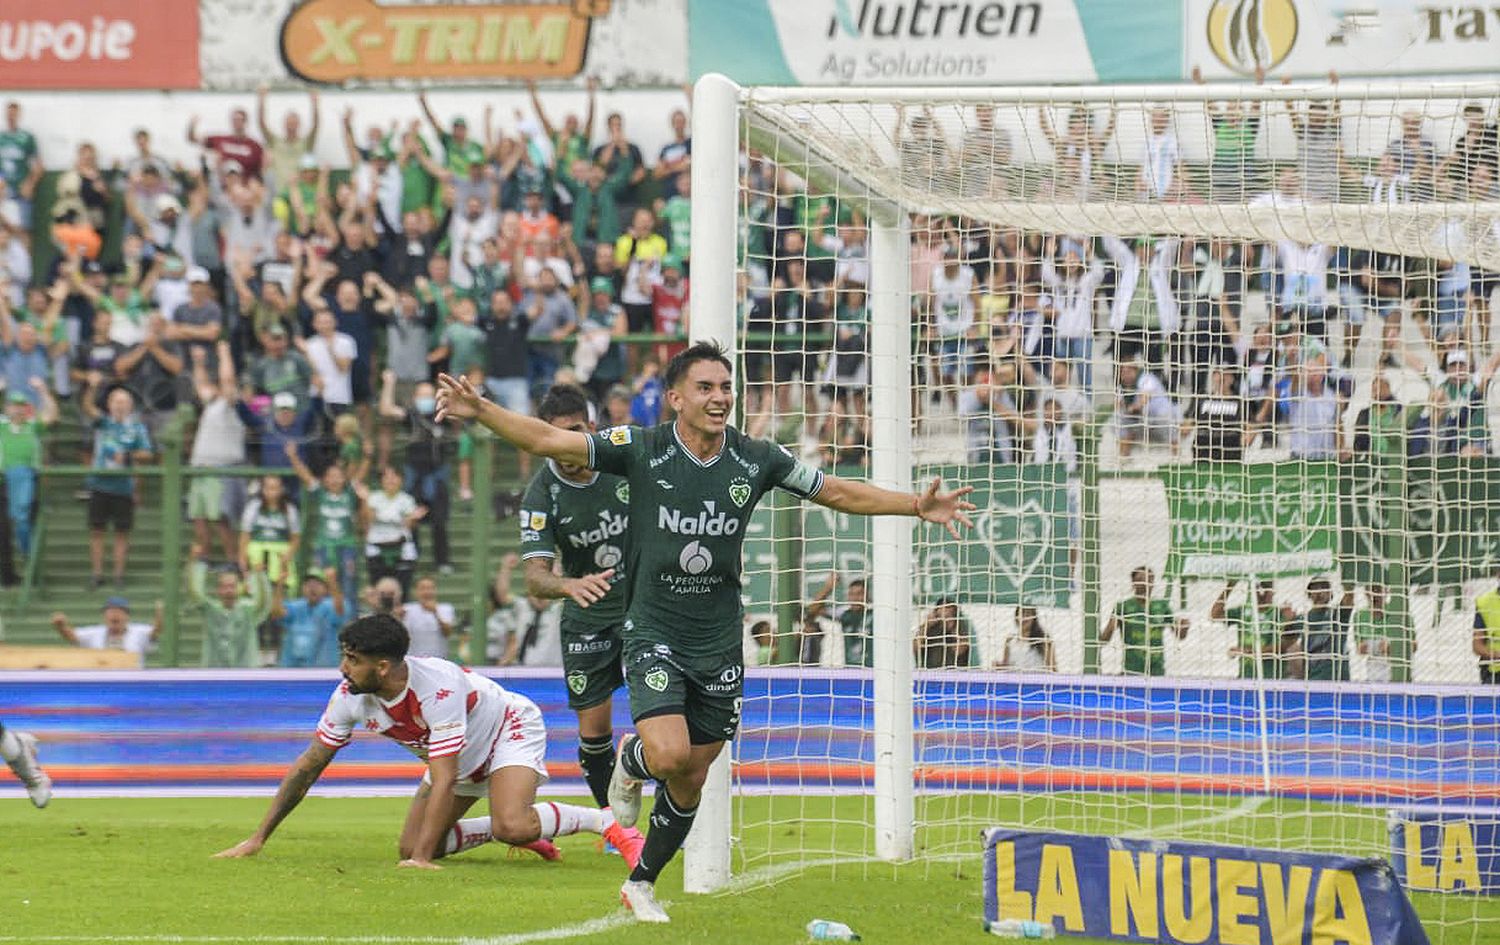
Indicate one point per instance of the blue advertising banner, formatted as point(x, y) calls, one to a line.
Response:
point(1442, 852)
point(1192, 893)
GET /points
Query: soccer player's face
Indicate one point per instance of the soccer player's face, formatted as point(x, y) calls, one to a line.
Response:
point(703, 397)
point(579, 424)
point(361, 672)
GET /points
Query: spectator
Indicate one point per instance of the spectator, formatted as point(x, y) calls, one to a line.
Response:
point(507, 358)
point(1215, 293)
point(984, 155)
point(1260, 629)
point(198, 322)
point(570, 142)
point(1073, 289)
point(1078, 150)
point(1380, 427)
point(596, 195)
point(1030, 650)
point(616, 407)
point(120, 441)
point(117, 632)
point(280, 369)
point(992, 419)
point(390, 515)
point(674, 163)
point(1386, 641)
point(81, 189)
point(1220, 428)
point(20, 468)
point(24, 362)
point(459, 148)
point(551, 318)
point(270, 533)
point(1460, 421)
point(648, 395)
point(1320, 150)
point(462, 342)
point(670, 305)
point(522, 631)
point(234, 148)
point(677, 213)
point(376, 176)
point(354, 316)
point(1313, 411)
point(215, 502)
point(20, 163)
point(1144, 411)
point(467, 233)
point(430, 449)
point(855, 619)
point(331, 353)
point(336, 514)
point(151, 370)
point(760, 647)
point(1486, 637)
point(1414, 156)
point(945, 639)
point(1478, 147)
point(1161, 166)
point(638, 253)
point(429, 622)
point(230, 639)
point(953, 302)
point(617, 152)
point(1235, 126)
point(311, 622)
point(1322, 646)
point(1141, 621)
point(920, 147)
point(597, 357)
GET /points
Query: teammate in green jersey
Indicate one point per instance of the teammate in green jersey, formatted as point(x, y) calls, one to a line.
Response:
point(693, 483)
point(573, 538)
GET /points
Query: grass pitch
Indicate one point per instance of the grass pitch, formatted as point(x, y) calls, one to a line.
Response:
point(139, 870)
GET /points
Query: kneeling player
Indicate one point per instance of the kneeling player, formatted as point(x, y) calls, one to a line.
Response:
point(578, 515)
point(477, 739)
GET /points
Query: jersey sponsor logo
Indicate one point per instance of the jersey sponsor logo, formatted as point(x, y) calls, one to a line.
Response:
point(709, 521)
point(610, 525)
point(752, 468)
point(731, 674)
point(739, 492)
point(656, 680)
point(622, 492)
point(608, 556)
point(529, 535)
point(442, 694)
point(695, 559)
point(577, 683)
point(665, 485)
point(619, 436)
point(658, 460)
point(590, 646)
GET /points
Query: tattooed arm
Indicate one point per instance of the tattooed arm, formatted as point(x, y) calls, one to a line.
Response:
point(304, 773)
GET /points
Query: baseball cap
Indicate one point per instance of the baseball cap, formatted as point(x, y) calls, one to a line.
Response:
point(166, 203)
point(197, 274)
point(119, 602)
point(670, 261)
point(1456, 356)
point(602, 284)
point(231, 166)
point(308, 162)
point(286, 400)
point(460, 122)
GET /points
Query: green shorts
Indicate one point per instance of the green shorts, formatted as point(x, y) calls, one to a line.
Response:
point(705, 691)
point(206, 498)
point(591, 664)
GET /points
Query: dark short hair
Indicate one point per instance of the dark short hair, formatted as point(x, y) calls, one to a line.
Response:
point(857, 582)
point(1320, 584)
point(563, 400)
point(378, 635)
point(677, 368)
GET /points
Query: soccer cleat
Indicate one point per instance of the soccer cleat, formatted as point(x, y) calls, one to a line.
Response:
point(624, 791)
point(627, 840)
point(38, 785)
point(545, 849)
point(640, 898)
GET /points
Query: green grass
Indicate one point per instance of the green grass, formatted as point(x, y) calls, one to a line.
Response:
point(101, 870)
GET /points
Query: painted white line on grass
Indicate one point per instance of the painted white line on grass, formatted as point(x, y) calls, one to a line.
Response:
point(577, 930)
point(1244, 808)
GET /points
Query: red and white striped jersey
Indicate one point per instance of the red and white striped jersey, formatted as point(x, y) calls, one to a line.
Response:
point(444, 710)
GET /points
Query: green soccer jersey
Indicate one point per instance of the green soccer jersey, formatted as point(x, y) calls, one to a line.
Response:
point(458, 156)
point(688, 519)
point(1141, 624)
point(678, 214)
point(585, 524)
point(1373, 625)
point(17, 151)
point(1266, 623)
point(336, 522)
point(21, 444)
point(1325, 646)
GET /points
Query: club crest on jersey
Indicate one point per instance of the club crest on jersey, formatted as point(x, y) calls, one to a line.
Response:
point(739, 492)
point(536, 521)
point(622, 492)
point(619, 436)
point(656, 680)
point(577, 682)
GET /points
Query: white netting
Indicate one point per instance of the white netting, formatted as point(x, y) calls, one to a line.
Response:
point(1238, 335)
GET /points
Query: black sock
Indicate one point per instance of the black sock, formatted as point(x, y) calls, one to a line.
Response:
point(634, 760)
point(596, 756)
point(669, 828)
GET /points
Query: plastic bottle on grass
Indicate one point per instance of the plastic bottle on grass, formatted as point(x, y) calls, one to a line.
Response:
point(1021, 928)
point(825, 930)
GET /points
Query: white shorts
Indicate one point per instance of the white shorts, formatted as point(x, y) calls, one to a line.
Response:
point(521, 743)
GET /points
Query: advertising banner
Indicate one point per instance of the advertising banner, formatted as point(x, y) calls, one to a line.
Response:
point(96, 44)
point(1437, 852)
point(1244, 519)
point(1192, 893)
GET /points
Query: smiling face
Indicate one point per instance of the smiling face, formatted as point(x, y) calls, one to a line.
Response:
point(703, 397)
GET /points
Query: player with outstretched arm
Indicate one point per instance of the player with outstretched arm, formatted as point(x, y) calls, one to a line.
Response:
point(693, 484)
point(477, 738)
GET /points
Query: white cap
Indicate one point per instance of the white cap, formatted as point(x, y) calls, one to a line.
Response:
point(165, 202)
point(197, 274)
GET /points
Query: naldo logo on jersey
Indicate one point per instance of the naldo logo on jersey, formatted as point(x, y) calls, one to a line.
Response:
point(610, 525)
point(710, 521)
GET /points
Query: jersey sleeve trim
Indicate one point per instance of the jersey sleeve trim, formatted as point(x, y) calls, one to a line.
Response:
point(539, 553)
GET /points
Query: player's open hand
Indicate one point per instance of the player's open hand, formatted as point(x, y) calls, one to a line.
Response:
point(240, 850)
point(417, 865)
point(589, 588)
point(948, 509)
point(457, 398)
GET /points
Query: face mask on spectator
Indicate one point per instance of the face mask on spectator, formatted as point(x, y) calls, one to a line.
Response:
point(426, 405)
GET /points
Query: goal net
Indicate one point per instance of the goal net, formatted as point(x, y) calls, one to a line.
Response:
point(1216, 362)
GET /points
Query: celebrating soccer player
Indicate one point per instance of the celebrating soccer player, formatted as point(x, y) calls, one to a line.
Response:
point(477, 740)
point(693, 483)
point(578, 515)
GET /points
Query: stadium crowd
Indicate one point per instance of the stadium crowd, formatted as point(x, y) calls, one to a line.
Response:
point(304, 311)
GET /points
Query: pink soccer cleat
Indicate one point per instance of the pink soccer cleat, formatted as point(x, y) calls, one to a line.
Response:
point(545, 849)
point(627, 840)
